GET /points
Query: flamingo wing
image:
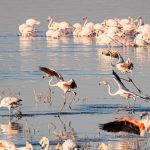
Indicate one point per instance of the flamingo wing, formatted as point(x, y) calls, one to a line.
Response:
point(121, 60)
point(51, 72)
point(120, 125)
point(118, 80)
point(8, 100)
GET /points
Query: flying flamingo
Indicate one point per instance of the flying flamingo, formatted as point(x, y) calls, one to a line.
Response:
point(11, 102)
point(122, 91)
point(66, 86)
point(127, 124)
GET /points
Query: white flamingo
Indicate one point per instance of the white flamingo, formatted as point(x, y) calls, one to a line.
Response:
point(28, 32)
point(66, 86)
point(86, 31)
point(11, 103)
point(22, 27)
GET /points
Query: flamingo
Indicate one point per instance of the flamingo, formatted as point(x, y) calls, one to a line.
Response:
point(44, 142)
point(122, 91)
point(67, 145)
point(128, 124)
point(123, 66)
point(22, 27)
point(11, 102)
point(66, 86)
point(86, 31)
point(28, 32)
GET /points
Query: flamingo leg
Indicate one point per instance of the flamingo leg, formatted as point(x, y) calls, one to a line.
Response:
point(130, 80)
point(128, 103)
point(9, 111)
point(63, 105)
point(73, 99)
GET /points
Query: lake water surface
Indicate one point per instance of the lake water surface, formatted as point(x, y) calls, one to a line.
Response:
point(80, 59)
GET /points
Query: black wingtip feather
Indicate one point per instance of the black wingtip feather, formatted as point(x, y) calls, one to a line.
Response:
point(116, 76)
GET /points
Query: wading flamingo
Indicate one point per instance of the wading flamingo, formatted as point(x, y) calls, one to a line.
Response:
point(11, 103)
point(127, 124)
point(66, 86)
point(122, 91)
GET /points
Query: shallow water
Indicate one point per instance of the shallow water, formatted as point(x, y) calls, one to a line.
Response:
point(80, 59)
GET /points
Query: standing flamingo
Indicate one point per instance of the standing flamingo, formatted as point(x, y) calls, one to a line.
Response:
point(11, 102)
point(127, 124)
point(66, 86)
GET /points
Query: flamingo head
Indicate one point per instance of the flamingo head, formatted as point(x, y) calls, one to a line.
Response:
point(84, 18)
point(144, 114)
point(49, 18)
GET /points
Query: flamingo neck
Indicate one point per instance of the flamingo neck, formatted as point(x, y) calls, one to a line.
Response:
point(47, 146)
point(112, 94)
point(85, 22)
point(147, 117)
point(50, 84)
point(50, 23)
